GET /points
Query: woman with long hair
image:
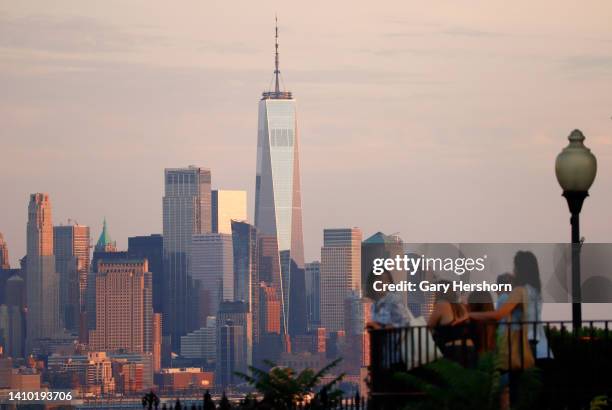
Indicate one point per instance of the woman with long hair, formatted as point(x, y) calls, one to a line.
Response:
point(447, 322)
point(526, 297)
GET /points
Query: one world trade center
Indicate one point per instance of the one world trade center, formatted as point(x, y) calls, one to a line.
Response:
point(278, 204)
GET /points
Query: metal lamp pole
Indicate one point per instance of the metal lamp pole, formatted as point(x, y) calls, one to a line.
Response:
point(576, 168)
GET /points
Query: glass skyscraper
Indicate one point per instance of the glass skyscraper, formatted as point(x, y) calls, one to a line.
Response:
point(187, 211)
point(246, 274)
point(151, 247)
point(71, 249)
point(278, 205)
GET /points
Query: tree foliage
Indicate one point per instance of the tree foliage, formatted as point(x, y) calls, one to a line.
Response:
point(281, 388)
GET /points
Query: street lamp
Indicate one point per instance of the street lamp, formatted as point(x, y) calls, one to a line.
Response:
point(576, 167)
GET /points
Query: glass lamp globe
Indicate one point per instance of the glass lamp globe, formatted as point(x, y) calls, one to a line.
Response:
point(576, 166)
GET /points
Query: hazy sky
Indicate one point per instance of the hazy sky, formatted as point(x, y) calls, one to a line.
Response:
point(441, 122)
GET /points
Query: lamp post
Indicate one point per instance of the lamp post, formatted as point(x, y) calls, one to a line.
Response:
point(576, 168)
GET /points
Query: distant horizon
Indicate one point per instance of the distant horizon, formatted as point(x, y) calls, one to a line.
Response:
point(440, 122)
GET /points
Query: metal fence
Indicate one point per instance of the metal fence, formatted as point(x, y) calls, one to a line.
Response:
point(574, 362)
point(356, 402)
point(410, 347)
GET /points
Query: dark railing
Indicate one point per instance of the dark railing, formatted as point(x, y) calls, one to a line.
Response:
point(570, 360)
point(356, 402)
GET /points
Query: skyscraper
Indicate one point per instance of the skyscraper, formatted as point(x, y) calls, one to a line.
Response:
point(71, 249)
point(376, 246)
point(270, 341)
point(313, 294)
point(186, 211)
point(229, 353)
point(4, 256)
point(357, 314)
point(15, 331)
point(246, 270)
point(201, 344)
point(236, 353)
point(211, 267)
point(278, 204)
point(226, 207)
point(106, 249)
point(340, 274)
point(151, 247)
point(42, 280)
point(270, 310)
point(124, 315)
point(156, 342)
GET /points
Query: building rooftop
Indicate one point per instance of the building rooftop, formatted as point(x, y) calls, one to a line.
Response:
point(104, 240)
point(380, 238)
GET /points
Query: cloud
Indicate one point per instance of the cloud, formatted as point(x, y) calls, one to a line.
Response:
point(470, 32)
point(593, 62)
point(421, 30)
point(222, 48)
point(72, 34)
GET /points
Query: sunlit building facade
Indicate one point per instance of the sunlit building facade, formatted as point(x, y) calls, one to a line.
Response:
point(4, 255)
point(42, 281)
point(124, 312)
point(340, 274)
point(227, 206)
point(278, 204)
point(186, 212)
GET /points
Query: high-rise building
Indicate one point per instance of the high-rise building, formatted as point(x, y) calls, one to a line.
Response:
point(71, 249)
point(357, 313)
point(105, 243)
point(278, 203)
point(269, 317)
point(4, 255)
point(12, 318)
point(313, 294)
point(156, 341)
point(124, 314)
point(376, 246)
point(227, 206)
point(106, 249)
point(42, 280)
point(238, 314)
point(340, 274)
point(15, 292)
point(246, 270)
point(229, 354)
point(151, 247)
point(211, 268)
point(186, 212)
point(201, 344)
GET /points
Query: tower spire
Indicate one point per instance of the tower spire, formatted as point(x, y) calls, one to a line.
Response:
point(276, 70)
point(276, 93)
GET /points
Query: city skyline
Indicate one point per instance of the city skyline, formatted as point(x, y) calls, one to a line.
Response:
point(493, 150)
point(182, 220)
